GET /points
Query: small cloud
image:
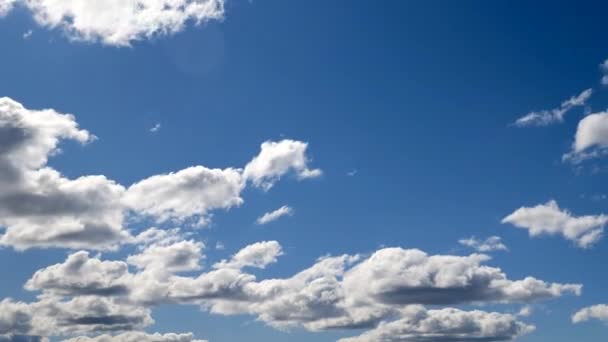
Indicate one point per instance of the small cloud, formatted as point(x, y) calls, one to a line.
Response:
point(28, 34)
point(156, 128)
point(352, 172)
point(274, 215)
point(491, 244)
point(555, 115)
point(220, 246)
point(526, 311)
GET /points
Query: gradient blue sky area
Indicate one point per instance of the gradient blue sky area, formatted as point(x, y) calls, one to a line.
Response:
point(417, 97)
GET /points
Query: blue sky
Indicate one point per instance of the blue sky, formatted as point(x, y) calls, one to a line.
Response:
point(406, 109)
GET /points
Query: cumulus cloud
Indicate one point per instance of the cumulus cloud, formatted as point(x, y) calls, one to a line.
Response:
point(134, 336)
point(277, 159)
point(556, 115)
point(591, 139)
point(87, 295)
point(274, 215)
point(491, 244)
point(118, 23)
point(421, 325)
point(599, 312)
point(258, 255)
point(38, 206)
point(187, 194)
point(549, 219)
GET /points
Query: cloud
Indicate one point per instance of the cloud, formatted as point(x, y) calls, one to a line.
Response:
point(491, 244)
point(118, 23)
point(275, 215)
point(259, 255)
point(138, 337)
point(38, 206)
point(78, 296)
point(421, 325)
point(275, 160)
point(556, 115)
point(190, 193)
point(591, 139)
point(155, 128)
point(599, 312)
point(549, 219)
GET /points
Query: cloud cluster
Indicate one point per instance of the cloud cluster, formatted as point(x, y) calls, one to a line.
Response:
point(549, 219)
point(39, 207)
point(87, 295)
point(118, 23)
point(556, 115)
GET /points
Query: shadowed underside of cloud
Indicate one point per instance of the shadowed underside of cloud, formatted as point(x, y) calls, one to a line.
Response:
point(117, 23)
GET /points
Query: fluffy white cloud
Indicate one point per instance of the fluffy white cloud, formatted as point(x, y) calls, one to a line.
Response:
point(591, 139)
point(259, 255)
point(82, 275)
point(599, 312)
point(556, 115)
point(181, 256)
point(38, 206)
point(85, 295)
point(186, 194)
point(118, 22)
point(549, 219)
point(493, 243)
point(418, 324)
point(135, 336)
point(276, 159)
point(275, 215)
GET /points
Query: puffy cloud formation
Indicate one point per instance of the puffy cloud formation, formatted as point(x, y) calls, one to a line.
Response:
point(118, 23)
point(599, 312)
point(418, 324)
point(259, 255)
point(134, 336)
point(591, 139)
point(276, 159)
point(186, 194)
point(556, 115)
point(491, 244)
point(549, 219)
point(39, 207)
point(274, 215)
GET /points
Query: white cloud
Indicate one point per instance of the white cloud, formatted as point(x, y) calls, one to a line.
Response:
point(187, 194)
point(277, 159)
point(38, 206)
point(28, 34)
point(155, 128)
point(549, 219)
point(133, 336)
point(556, 115)
point(259, 255)
point(421, 325)
point(491, 244)
point(181, 256)
point(275, 215)
point(118, 23)
point(599, 312)
point(591, 139)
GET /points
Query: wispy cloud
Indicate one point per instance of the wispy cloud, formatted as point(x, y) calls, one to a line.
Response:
point(555, 115)
point(155, 128)
point(274, 215)
point(493, 243)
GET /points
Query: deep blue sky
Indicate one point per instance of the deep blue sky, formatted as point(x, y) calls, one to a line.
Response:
point(417, 97)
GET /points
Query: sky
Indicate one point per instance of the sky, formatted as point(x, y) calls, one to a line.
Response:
point(351, 171)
